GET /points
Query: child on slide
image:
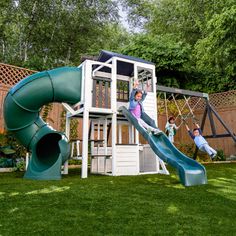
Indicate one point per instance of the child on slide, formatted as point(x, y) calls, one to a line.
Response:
point(136, 108)
point(201, 142)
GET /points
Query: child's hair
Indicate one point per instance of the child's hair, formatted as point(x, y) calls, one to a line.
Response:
point(195, 129)
point(171, 118)
point(137, 92)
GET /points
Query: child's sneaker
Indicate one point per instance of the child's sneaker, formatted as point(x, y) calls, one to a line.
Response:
point(213, 156)
point(149, 130)
point(157, 132)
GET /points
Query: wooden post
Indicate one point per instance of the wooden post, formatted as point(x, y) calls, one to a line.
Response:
point(84, 172)
point(130, 133)
point(105, 135)
point(87, 104)
point(120, 133)
point(114, 111)
point(92, 138)
point(67, 131)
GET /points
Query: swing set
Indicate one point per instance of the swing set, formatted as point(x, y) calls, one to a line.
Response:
point(186, 102)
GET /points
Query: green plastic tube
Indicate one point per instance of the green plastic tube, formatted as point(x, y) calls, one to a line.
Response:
point(49, 148)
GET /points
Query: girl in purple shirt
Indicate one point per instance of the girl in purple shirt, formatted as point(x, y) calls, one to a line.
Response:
point(136, 108)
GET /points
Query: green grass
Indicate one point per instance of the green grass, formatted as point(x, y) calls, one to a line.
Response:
point(103, 205)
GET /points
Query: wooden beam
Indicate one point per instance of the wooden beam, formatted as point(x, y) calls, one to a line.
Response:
point(217, 136)
point(160, 88)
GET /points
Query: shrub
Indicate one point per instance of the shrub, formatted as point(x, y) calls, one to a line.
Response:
point(189, 149)
point(186, 148)
point(20, 164)
point(6, 162)
point(10, 146)
point(220, 155)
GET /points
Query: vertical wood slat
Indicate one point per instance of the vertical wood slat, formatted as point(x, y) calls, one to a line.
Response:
point(100, 94)
point(94, 93)
point(106, 94)
point(124, 91)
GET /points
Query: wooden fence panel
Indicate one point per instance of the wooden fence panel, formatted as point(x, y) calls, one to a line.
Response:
point(226, 144)
point(3, 92)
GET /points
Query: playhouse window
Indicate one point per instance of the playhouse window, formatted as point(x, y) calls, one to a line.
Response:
point(122, 91)
point(101, 92)
point(145, 78)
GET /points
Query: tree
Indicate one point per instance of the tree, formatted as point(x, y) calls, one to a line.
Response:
point(184, 19)
point(168, 54)
point(208, 26)
point(215, 53)
point(45, 34)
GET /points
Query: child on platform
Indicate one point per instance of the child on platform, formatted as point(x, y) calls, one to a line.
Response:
point(171, 128)
point(201, 142)
point(136, 107)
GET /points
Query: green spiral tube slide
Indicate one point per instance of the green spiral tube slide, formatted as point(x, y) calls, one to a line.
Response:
point(49, 148)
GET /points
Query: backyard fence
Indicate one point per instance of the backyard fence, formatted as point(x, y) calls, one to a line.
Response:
point(224, 103)
point(9, 76)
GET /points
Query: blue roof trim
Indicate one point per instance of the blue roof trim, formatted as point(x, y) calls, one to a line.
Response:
point(123, 68)
point(106, 55)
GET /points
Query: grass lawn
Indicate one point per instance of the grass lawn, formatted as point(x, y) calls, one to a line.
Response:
point(134, 205)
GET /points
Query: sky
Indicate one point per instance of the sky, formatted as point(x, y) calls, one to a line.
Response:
point(124, 19)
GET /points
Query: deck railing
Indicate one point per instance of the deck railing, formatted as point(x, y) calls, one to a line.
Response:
point(102, 92)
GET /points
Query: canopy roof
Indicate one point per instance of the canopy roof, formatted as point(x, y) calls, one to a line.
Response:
point(123, 68)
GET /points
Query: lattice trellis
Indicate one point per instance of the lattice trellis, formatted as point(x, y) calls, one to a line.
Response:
point(10, 75)
point(198, 103)
point(225, 99)
point(217, 100)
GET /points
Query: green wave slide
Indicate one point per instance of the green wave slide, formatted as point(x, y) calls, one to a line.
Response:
point(49, 148)
point(190, 172)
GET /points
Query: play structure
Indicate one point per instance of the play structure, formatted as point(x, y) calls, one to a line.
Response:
point(98, 92)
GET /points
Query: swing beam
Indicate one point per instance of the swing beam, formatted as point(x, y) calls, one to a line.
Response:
point(160, 88)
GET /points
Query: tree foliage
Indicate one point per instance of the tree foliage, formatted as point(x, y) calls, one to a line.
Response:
point(139, 12)
point(168, 54)
point(43, 34)
point(207, 26)
point(215, 54)
point(192, 42)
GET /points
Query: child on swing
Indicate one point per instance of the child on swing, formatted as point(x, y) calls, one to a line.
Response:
point(201, 142)
point(171, 128)
point(136, 107)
